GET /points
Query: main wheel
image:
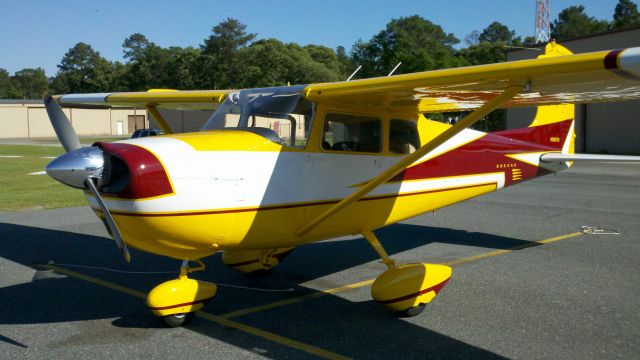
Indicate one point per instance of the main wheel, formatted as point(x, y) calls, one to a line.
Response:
point(412, 311)
point(177, 320)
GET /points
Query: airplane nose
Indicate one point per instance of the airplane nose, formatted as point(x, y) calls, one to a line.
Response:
point(74, 167)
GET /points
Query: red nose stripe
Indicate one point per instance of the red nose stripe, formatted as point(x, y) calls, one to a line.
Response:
point(147, 176)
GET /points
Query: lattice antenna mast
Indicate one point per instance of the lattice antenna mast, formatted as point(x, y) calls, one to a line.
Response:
point(543, 31)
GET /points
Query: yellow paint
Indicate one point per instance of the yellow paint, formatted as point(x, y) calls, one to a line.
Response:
point(405, 162)
point(294, 300)
point(406, 283)
point(228, 140)
point(96, 281)
point(248, 261)
point(475, 85)
point(159, 119)
point(429, 129)
point(167, 97)
point(210, 317)
point(188, 293)
point(310, 349)
point(506, 251)
point(322, 293)
point(160, 90)
point(262, 228)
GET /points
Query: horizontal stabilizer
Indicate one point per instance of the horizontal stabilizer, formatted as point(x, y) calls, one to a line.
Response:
point(558, 157)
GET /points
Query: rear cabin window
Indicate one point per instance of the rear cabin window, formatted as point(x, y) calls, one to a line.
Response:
point(347, 132)
point(403, 136)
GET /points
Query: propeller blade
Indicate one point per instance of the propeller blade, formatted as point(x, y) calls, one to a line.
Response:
point(109, 220)
point(67, 136)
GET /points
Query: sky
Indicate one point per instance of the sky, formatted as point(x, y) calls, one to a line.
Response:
point(37, 33)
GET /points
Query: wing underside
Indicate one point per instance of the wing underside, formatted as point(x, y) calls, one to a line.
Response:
point(550, 79)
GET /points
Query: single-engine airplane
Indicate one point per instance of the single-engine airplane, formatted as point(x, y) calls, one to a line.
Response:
point(275, 168)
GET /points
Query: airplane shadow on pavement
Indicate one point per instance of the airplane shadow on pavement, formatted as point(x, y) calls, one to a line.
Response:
point(332, 322)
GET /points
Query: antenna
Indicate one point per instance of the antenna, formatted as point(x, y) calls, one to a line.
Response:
point(353, 73)
point(395, 68)
point(543, 32)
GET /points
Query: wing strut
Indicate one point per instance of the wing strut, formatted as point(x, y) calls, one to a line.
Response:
point(159, 119)
point(395, 169)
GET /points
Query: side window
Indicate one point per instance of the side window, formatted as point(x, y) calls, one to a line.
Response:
point(403, 136)
point(346, 132)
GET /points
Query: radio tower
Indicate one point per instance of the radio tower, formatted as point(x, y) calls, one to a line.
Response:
point(543, 32)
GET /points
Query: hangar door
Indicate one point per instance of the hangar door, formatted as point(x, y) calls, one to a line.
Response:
point(135, 122)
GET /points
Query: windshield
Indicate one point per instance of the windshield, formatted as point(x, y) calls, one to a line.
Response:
point(280, 114)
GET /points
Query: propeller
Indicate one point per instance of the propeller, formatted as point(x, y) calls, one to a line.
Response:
point(81, 168)
point(67, 136)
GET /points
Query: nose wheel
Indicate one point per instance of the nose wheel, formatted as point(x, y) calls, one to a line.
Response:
point(177, 320)
point(406, 289)
point(176, 301)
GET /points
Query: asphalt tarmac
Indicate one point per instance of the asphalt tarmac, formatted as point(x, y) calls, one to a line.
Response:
point(526, 284)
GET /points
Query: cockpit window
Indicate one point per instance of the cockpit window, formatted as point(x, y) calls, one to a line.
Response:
point(347, 132)
point(282, 114)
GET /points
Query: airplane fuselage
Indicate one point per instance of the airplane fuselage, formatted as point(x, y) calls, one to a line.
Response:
point(238, 190)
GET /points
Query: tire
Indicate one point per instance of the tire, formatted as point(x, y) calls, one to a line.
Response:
point(177, 320)
point(412, 311)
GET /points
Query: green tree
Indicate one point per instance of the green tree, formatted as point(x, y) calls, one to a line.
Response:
point(326, 56)
point(626, 15)
point(346, 65)
point(182, 68)
point(82, 70)
point(31, 83)
point(483, 53)
point(148, 64)
point(416, 42)
point(572, 22)
point(497, 32)
point(270, 62)
point(7, 90)
point(219, 54)
point(489, 46)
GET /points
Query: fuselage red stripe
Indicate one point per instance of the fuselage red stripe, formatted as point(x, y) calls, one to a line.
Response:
point(290, 206)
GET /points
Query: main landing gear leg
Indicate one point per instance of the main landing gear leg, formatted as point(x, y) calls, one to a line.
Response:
point(176, 301)
point(406, 289)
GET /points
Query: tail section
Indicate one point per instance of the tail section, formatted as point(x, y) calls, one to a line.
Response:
point(554, 114)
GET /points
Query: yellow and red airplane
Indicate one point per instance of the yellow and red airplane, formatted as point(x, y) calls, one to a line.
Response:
point(275, 168)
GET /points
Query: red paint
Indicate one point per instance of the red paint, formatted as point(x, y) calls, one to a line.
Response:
point(611, 59)
point(147, 176)
point(203, 301)
point(290, 206)
point(488, 153)
point(436, 288)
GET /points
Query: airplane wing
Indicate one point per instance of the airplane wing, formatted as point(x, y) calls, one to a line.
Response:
point(554, 78)
point(550, 79)
point(171, 99)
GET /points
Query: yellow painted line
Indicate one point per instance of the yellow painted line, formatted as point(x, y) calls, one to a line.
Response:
point(214, 318)
point(96, 281)
point(322, 293)
point(505, 251)
point(294, 300)
point(270, 336)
